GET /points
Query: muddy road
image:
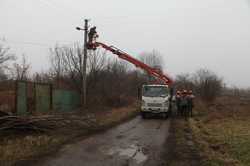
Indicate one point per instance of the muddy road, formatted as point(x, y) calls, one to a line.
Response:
point(134, 143)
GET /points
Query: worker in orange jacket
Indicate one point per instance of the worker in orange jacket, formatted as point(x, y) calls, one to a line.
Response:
point(190, 102)
point(178, 102)
point(184, 103)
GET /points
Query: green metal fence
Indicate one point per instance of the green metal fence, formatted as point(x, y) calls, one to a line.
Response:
point(21, 98)
point(7, 97)
point(43, 98)
point(65, 100)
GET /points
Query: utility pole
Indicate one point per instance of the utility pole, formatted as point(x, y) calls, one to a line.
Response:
point(84, 75)
point(83, 64)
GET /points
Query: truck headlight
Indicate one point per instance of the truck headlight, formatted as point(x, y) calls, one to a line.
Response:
point(166, 103)
point(143, 103)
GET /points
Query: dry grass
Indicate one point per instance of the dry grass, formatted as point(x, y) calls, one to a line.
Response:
point(181, 149)
point(28, 146)
point(222, 131)
point(115, 115)
point(22, 148)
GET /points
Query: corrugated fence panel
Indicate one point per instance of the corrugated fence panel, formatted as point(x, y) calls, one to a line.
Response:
point(65, 100)
point(8, 96)
point(21, 103)
point(43, 97)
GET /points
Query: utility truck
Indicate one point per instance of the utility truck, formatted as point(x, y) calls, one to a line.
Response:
point(155, 98)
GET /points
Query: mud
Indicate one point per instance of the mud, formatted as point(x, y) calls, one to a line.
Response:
point(137, 142)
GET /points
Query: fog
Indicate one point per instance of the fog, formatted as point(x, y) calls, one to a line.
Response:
point(190, 34)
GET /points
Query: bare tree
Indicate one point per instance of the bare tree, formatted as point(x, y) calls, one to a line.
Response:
point(56, 61)
point(66, 62)
point(97, 60)
point(153, 59)
point(110, 81)
point(184, 81)
point(43, 77)
point(21, 71)
point(208, 84)
point(3, 75)
point(5, 56)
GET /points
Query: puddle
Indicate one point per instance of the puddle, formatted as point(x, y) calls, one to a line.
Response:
point(119, 136)
point(133, 152)
point(111, 152)
point(130, 152)
point(140, 157)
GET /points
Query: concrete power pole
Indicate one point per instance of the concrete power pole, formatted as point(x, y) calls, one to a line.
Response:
point(84, 75)
point(83, 64)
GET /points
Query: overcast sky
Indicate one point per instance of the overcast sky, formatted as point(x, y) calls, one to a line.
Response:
point(190, 34)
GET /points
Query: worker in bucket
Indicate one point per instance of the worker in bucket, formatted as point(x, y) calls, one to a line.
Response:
point(190, 102)
point(92, 35)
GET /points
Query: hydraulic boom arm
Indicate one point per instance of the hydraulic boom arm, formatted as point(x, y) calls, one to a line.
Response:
point(151, 71)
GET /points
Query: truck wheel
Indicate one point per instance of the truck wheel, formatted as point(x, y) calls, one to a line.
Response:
point(169, 111)
point(143, 115)
point(165, 115)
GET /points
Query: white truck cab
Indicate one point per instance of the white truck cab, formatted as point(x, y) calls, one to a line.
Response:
point(155, 99)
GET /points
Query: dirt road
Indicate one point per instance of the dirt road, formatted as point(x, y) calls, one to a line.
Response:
point(134, 143)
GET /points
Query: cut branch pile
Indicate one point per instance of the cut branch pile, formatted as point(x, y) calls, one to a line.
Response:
point(36, 123)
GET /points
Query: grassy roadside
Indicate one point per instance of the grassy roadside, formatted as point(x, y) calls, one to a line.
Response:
point(22, 147)
point(182, 150)
point(222, 132)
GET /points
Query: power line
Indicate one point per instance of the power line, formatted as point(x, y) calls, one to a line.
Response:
point(4, 48)
point(33, 43)
point(55, 6)
point(28, 43)
point(58, 9)
point(48, 4)
point(69, 11)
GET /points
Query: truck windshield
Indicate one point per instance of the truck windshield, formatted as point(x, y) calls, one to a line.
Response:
point(155, 91)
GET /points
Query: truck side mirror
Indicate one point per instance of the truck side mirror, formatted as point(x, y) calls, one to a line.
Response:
point(171, 92)
point(139, 93)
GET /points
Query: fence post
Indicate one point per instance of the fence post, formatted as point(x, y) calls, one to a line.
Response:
point(51, 97)
point(16, 89)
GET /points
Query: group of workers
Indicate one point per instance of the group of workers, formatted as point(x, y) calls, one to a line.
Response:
point(184, 102)
point(184, 98)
